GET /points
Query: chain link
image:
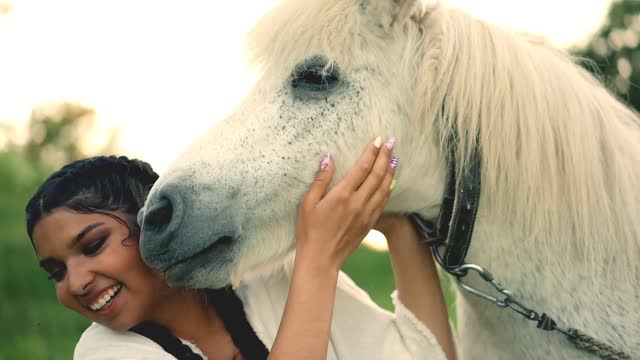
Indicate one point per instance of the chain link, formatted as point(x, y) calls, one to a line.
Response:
point(544, 322)
point(521, 309)
point(508, 301)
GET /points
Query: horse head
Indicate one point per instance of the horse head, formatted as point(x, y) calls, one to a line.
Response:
point(335, 75)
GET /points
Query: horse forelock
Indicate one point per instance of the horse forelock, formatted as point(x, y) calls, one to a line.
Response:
point(559, 153)
point(336, 29)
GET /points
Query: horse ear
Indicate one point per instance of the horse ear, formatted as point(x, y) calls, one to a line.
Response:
point(387, 13)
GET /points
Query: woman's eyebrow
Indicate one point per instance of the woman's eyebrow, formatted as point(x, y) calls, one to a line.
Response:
point(83, 233)
point(76, 240)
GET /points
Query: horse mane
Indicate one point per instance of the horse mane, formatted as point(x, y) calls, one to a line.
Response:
point(560, 154)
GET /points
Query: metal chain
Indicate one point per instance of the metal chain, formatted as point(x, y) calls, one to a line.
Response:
point(544, 322)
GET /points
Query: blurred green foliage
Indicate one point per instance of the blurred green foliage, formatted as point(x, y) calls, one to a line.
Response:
point(34, 325)
point(55, 133)
point(613, 55)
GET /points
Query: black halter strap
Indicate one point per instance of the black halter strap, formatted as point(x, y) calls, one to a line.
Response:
point(457, 214)
point(230, 309)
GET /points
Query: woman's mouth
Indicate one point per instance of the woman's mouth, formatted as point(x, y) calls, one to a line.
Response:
point(104, 302)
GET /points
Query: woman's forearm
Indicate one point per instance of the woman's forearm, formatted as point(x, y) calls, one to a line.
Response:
point(330, 226)
point(306, 324)
point(418, 284)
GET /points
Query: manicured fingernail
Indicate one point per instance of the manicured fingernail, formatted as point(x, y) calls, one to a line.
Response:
point(394, 161)
point(326, 160)
point(377, 142)
point(391, 143)
point(393, 185)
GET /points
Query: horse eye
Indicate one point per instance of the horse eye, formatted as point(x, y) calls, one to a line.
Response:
point(315, 75)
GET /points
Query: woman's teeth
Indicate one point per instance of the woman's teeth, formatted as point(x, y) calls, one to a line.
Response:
point(106, 298)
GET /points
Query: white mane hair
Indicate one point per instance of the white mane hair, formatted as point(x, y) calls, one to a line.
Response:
point(560, 155)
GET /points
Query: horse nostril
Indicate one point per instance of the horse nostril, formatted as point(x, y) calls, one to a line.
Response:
point(159, 215)
point(223, 241)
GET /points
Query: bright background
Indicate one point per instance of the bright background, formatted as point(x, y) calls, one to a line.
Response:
point(164, 71)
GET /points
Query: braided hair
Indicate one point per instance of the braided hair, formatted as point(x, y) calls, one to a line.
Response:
point(94, 185)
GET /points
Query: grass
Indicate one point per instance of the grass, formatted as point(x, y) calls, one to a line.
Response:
point(35, 326)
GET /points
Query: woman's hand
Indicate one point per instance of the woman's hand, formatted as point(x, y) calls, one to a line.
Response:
point(330, 227)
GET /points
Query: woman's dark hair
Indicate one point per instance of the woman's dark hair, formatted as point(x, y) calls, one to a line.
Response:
point(94, 185)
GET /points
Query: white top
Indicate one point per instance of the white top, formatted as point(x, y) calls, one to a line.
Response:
point(360, 329)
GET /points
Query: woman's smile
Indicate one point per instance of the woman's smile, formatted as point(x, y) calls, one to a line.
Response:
point(103, 303)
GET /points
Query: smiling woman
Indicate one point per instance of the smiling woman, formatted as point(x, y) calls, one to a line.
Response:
point(82, 227)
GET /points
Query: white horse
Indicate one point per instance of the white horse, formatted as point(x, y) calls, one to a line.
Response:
point(560, 157)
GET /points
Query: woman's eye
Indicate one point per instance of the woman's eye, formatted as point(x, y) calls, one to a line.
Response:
point(95, 246)
point(57, 275)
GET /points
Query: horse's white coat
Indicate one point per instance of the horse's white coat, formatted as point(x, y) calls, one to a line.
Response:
point(560, 161)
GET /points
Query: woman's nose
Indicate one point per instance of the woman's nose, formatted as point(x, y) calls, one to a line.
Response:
point(79, 276)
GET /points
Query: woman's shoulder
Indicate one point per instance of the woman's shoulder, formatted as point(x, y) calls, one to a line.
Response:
point(98, 342)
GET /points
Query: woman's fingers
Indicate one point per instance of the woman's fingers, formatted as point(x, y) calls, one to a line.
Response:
point(382, 166)
point(361, 169)
point(379, 199)
point(320, 184)
point(331, 225)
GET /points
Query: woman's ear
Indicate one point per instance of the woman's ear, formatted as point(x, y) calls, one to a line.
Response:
point(385, 14)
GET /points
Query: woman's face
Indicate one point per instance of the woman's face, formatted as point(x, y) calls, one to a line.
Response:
point(94, 273)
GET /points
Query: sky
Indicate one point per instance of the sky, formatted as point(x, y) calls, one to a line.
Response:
point(162, 72)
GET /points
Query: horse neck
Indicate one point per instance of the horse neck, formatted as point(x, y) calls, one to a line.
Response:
point(559, 153)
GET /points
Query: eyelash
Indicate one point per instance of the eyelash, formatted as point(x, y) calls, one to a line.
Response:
point(89, 250)
point(95, 246)
point(57, 275)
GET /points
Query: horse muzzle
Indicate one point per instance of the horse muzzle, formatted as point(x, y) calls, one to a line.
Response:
point(181, 232)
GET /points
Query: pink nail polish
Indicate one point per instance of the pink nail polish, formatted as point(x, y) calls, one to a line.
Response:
point(394, 161)
point(326, 160)
point(391, 143)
